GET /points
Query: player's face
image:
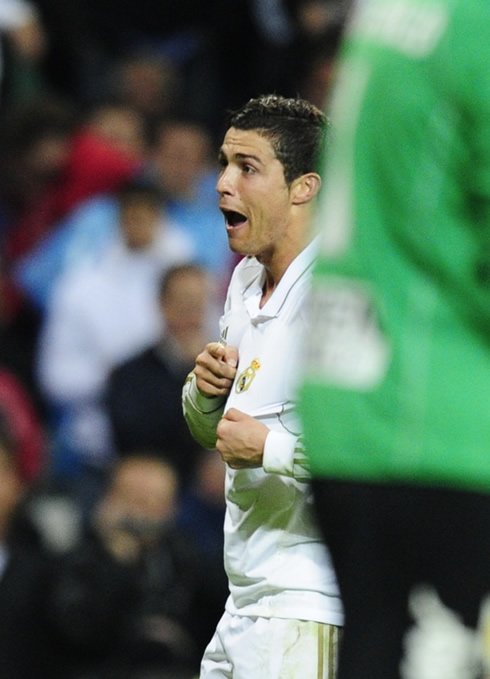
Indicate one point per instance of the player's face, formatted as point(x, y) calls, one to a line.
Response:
point(254, 196)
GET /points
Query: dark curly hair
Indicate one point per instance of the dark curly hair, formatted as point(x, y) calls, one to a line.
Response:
point(296, 129)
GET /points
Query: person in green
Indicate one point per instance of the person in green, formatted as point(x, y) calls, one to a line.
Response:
point(395, 391)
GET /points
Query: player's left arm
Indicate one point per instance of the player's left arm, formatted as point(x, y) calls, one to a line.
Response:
point(245, 442)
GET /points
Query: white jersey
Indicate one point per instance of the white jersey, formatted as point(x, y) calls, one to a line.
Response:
point(275, 559)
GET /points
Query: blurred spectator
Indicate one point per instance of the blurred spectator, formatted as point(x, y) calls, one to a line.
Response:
point(25, 642)
point(74, 64)
point(110, 145)
point(129, 600)
point(149, 82)
point(297, 42)
point(316, 78)
point(143, 395)
point(89, 39)
point(48, 163)
point(236, 68)
point(101, 313)
point(319, 30)
point(283, 39)
point(59, 163)
point(182, 161)
point(201, 515)
point(35, 138)
point(23, 44)
point(17, 347)
point(25, 425)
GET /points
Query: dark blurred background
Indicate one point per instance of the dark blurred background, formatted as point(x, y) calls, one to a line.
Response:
point(113, 268)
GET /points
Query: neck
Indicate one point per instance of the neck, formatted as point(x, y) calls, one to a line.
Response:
point(277, 267)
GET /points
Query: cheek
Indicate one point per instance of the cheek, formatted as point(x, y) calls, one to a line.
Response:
point(264, 210)
point(271, 214)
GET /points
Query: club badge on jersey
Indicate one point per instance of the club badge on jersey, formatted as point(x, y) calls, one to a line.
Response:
point(246, 378)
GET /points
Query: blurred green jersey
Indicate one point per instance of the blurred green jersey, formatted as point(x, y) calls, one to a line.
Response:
point(397, 379)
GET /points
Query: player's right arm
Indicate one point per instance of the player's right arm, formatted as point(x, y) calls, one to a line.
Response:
point(206, 389)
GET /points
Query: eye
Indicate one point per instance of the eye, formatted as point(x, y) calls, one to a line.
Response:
point(248, 169)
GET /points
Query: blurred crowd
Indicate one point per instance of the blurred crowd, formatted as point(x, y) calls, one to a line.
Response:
point(113, 267)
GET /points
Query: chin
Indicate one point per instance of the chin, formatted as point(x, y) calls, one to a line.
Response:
point(235, 247)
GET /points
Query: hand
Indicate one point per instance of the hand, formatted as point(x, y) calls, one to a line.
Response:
point(215, 369)
point(241, 439)
point(111, 524)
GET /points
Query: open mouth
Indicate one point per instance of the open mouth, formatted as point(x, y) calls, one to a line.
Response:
point(234, 219)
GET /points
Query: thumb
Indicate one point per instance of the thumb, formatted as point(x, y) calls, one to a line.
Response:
point(233, 415)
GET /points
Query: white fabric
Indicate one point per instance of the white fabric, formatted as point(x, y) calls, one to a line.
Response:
point(270, 648)
point(276, 562)
point(16, 13)
point(101, 313)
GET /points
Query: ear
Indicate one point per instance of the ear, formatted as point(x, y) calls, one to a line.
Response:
point(305, 188)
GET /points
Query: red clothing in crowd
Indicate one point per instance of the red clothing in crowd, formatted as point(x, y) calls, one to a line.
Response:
point(24, 424)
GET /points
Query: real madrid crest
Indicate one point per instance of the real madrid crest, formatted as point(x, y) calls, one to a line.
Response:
point(246, 378)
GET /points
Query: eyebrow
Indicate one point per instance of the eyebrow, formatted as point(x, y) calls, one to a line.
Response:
point(240, 156)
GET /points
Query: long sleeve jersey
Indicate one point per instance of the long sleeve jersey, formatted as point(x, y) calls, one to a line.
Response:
point(276, 562)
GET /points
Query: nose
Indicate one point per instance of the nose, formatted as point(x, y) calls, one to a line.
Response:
point(224, 185)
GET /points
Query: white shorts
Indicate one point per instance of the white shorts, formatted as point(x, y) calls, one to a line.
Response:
point(270, 648)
